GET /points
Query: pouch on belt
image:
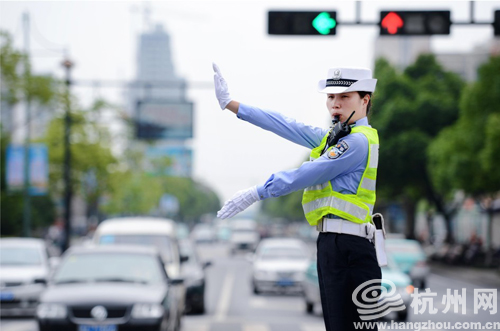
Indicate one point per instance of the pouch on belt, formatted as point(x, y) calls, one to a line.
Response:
point(379, 238)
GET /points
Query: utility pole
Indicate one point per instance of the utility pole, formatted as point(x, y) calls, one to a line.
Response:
point(27, 136)
point(67, 64)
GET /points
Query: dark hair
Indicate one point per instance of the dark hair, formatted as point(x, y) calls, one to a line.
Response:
point(362, 95)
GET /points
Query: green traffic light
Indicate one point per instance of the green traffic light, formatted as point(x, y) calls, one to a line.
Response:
point(323, 23)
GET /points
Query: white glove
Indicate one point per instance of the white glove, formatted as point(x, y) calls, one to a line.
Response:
point(221, 89)
point(239, 202)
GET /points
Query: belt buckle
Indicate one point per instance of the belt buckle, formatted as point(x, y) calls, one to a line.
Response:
point(319, 226)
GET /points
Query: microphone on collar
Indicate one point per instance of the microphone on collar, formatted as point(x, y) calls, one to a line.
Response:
point(339, 130)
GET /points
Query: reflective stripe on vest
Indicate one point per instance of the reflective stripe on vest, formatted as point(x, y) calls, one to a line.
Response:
point(320, 200)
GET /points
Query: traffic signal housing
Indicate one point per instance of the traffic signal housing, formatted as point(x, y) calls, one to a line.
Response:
point(415, 23)
point(496, 23)
point(302, 23)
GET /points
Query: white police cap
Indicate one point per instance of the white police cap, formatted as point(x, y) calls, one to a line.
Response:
point(340, 80)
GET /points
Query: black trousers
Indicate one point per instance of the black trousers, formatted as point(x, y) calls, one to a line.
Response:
point(344, 262)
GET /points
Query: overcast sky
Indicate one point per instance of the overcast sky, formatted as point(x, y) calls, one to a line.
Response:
point(278, 73)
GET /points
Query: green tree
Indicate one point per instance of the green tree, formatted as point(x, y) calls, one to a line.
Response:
point(466, 155)
point(91, 156)
point(39, 90)
point(134, 192)
point(410, 109)
point(288, 207)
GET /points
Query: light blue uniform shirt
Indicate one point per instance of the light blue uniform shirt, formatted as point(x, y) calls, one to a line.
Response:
point(344, 172)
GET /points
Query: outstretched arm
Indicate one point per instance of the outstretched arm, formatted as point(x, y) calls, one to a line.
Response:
point(349, 157)
point(299, 133)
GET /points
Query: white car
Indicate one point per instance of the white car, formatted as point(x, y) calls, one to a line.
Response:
point(244, 235)
point(279, 265)
point(24, 271)
point(145, 231)
point(203, 233)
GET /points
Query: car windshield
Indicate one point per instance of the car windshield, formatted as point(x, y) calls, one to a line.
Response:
point(270, 253)
point(20, 256)
point(109, 267)
point(162, 243)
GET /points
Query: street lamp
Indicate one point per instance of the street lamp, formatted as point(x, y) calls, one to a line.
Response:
point(67, 64)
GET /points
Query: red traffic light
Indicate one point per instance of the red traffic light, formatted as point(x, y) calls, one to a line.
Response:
point(416, 23)
point(392, 22)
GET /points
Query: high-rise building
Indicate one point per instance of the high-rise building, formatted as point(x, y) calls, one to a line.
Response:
point(155, 68)
point(157, 103)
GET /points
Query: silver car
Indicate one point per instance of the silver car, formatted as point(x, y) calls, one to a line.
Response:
point(24, 270)
point(279, 265)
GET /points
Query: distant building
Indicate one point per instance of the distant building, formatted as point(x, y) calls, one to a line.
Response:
point(466, 64)
point(157, 99)
point(402, 51)
point(155, 68)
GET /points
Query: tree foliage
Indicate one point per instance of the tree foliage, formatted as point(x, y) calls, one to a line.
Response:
point(134, 192)
point(288, 207)
point(18, 85)
point(91, 156)
point(467, 154)
point(410, 109)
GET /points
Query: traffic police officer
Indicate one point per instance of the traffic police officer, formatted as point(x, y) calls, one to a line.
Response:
point(338, 183)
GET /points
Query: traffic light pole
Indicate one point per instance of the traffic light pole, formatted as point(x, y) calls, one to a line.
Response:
point(27, 138)
point(67, 64)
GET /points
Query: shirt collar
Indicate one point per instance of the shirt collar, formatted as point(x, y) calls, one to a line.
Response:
point(361, 122)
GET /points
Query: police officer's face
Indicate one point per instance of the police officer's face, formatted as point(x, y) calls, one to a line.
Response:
point(343, 104)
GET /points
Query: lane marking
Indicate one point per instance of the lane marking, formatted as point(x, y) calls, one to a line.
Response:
point(225, 298)
point(195, 327)
point(257, 302)
point(255, 327)
point(313, 327)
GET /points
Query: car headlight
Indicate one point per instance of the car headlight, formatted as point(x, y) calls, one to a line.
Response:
point(147, 310)
point(51, 310)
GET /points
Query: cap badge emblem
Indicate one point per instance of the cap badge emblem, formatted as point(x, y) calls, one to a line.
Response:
point(337, 73)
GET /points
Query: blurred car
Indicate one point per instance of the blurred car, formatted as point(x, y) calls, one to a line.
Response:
point(390, 272)
point(24, 270)
point(410, 258)
point(182, 231)
point(244, 235)
point(279, 265)
point(193, 273)
point(307, 233)
point(110, 288)
point(203, 233)
point(223, 231)
point(145, 231)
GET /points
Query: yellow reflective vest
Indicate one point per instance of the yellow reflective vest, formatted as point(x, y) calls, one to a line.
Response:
point(321, 200)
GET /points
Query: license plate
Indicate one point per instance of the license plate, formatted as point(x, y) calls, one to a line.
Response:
point(285, 282)
point(6, 296)
point(110, 327)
